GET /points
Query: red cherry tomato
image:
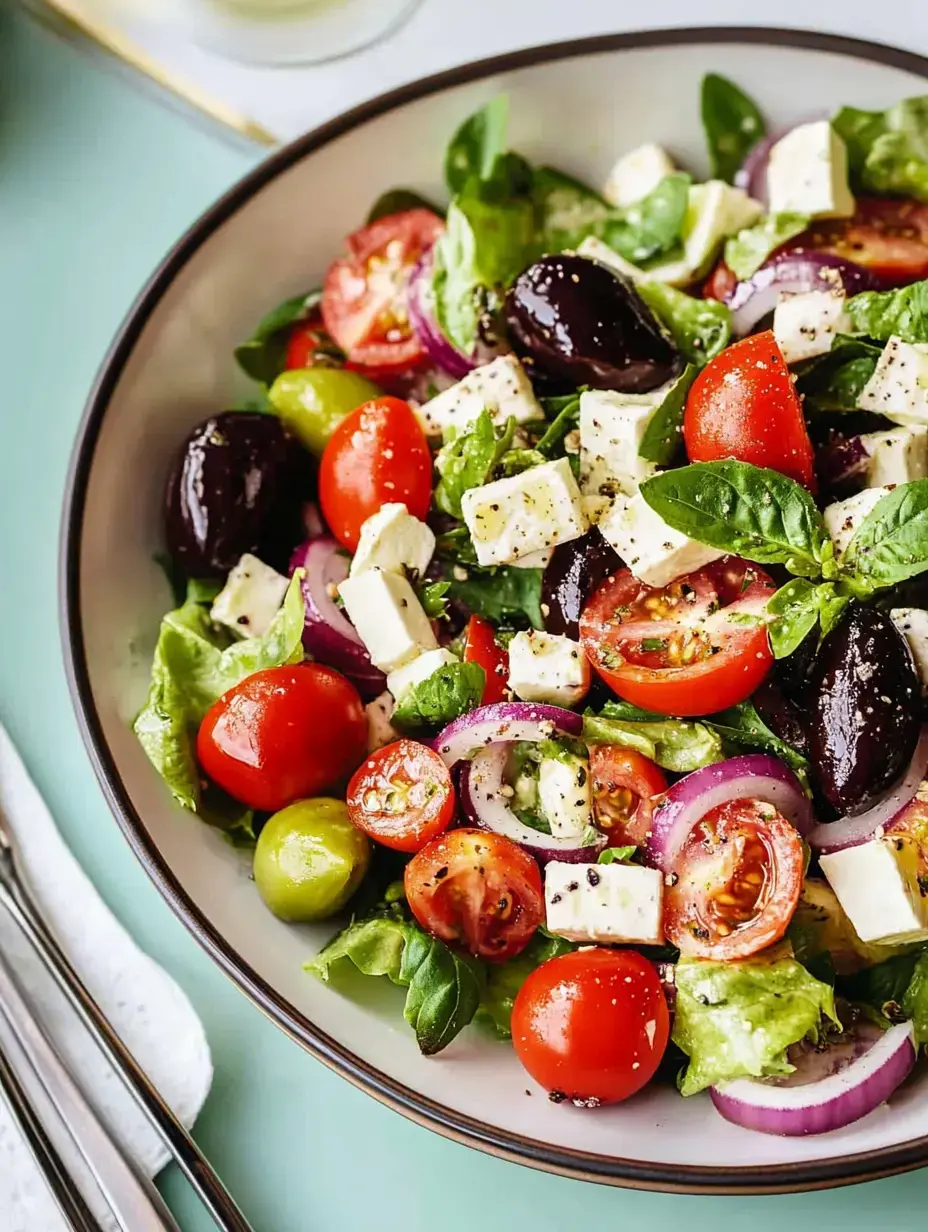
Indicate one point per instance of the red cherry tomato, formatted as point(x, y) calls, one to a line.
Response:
point(364, 293)
point(376, 455)
point(477, 890)
point(720, 284)
point(738, 880)
point(402, 796)
point(282, 735)
point(625, 786)
point(744, 405)
point(308, 340)
point(592, 1026)
point(693, 647)
point(481, 646)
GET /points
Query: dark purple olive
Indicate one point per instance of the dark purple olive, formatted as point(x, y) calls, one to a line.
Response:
point(864, 713)
point(575, 571)
point(238, 485)
point(574, 320)
point(782, 715)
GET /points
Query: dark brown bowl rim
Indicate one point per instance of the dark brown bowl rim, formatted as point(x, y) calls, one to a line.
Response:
point(821, 1174)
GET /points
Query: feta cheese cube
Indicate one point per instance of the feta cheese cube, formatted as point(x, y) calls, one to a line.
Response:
point(654, 551)
point(877, 884)
point(843, 517)
point(604, 902)
point(380, 731)
point(393, 540)
point(612, 427)
point(805, 325)
point(534, 560)
point(564, 795)
point(898, 388)
point(545, 667)
point(715, 211)
point(636, 174)
point(419, 669)
point(525, 513)
point(250, 599)
point(807, 173)
point(895, 456)
point(912, 623)
point(388, 618)
point(500, 387)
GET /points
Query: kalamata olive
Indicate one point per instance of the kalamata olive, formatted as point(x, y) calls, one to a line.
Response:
point(864, 715)
point(782, 715)
point(576, 321)
point(238, 485)
point(575, 571)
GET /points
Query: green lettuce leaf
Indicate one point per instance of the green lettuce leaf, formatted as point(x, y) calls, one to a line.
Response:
point(469, 460)
point(701, 328)
point(903, 313)
point(504, 980)
point(503, 595)
point(742, 725)
point(450, 691)
point(732, 123)
point(747, 251)
point(675, 744)
point(887, 150)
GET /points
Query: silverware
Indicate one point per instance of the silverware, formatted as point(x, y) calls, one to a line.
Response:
point(17, 898)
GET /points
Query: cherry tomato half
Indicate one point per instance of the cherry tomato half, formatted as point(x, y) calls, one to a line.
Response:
point(592, 1026)
point(376, 455)
point(736, 882)
point(477, 890)
point(282, 735)
point(309, 345)
point(744, 405)
point(625, 785)
point(693, 647)
point(402, 796)
point(364, 293)
point(481, 646)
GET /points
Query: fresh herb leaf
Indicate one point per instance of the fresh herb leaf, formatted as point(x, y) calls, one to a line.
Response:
point(882, 314)
point(469, 460)
point(566, 417)
point(747, 251)
point(891, 544)
point(887, 150)
point(885, 983)
point(664, 434)
point(567, 210)
point(616, 855)
point(795, 607)
point(449, 692)
point(263, 356)
point(477, 144)
point(515, 461)
point(652, 226)
point(834, 381)
point(675, 744)
point(743, 726)
point(701, 328)
point(732, 122)
point(503, 980)
point(504, 595)
point(915, 1000)
point(396, 201)
point(433, 597)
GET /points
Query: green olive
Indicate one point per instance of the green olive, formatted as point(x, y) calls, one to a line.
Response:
point(311, 402)
point(310, 859)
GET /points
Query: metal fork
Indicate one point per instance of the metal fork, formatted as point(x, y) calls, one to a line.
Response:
point(17, 898)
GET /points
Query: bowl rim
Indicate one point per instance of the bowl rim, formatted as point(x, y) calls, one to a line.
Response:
point(565, 1161)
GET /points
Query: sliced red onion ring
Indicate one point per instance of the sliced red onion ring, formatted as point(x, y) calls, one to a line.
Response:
point(328, 634)
point(752, 776)
point(839, 461)
point(852, 831)
point(828, 1089)
point(420, 305)
point(481, 794)
point(793, 272)
point(501, 722)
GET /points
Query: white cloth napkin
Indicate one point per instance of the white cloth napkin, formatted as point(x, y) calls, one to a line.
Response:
point(149, 1011)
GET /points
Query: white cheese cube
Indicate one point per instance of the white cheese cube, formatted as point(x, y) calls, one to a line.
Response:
point(380, 731)
point(715, 211)
point(500, 387)
point(604, 902)
point(843, 517)
point(654, 551)
point(898, 388)
point(807, 173)
point(393, 540)
point(419, 669)
point(636, 174)
point(564, 795)
point(545, 667)
point(250, 599)
point(525, 513)
point(895, 456)
point(388, 617)
point(912, 623)
point(598, 250)
point(612, 427)
point(534, 560)
point(877, 885)
point(805, 325)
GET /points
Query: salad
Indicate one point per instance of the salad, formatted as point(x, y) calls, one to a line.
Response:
point(555, 612)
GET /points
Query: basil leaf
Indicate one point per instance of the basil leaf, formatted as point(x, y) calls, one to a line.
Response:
point(891, 544)
point(664, 434)
point(566, 418)
point(397, 201)
point(831, 606)
point(515, 461)
point(433, 597)
point(449, 692)
point(504, 595)
point(747, 251)
point(742, 725)
point(732, 123)
point(503, 980)
point(915, 1000)
point(652, 226)
point(886, 982)
point(477, 144)
point(469, 460)
point(748, 510)
point(701, 328)
point(616, 855)
point(903, 313)
point(834, 381)
point(796, 609)
point(263, 356)
point(887, 150)
point(675, 744)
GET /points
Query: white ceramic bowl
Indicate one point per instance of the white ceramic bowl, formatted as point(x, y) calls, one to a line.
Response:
point(575, 105)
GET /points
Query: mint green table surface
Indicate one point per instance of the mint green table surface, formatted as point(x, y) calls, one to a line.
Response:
point(96, 181)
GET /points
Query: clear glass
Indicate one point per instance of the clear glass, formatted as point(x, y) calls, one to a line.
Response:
point(292, 31)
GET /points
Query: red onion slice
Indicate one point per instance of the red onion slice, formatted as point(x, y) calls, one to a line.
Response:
point(501, 722)
point(752, 175)
point(841, 460)
point(420, 304)
point(328, 634)
point(859, 1076)
point(752, 776)
point(793, 272)
point(852, 831)
point(481, 795)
